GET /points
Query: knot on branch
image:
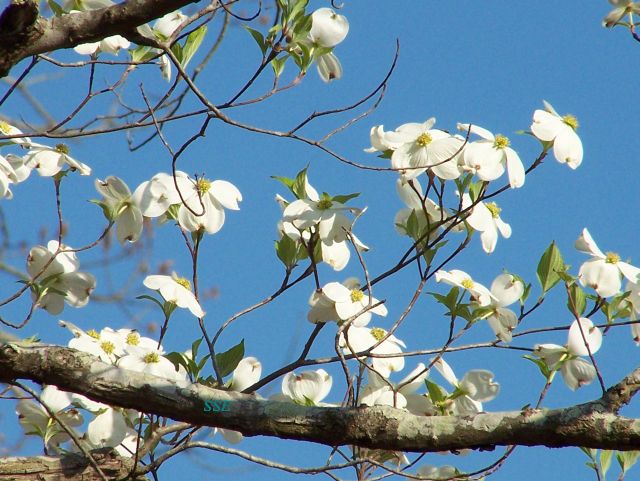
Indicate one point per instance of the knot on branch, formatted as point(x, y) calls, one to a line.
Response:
point(18, 27)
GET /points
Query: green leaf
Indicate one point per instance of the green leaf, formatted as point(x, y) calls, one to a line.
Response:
point(343, 199)
point(550, 264)
point(578, 298)
point(142, 54)
point(172, 212)
point(57, 10)
point(435, 392)
point(195, 346)
point(429, 254)
point(284, 180)
point(153, 299)
point(606, 455)
point(194, 40)
point(450, 301)
point(302, 28)
point(259, 38)
point(287, 251)
point(544, 369)
point(299, 187)
point(627, 459)
point(178, 359)
point(474, 190)
point(106, 209)
point(227, 361)
point(176, 48)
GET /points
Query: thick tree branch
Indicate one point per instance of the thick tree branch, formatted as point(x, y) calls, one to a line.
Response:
point(70, 467)
point(592, 424)
point(23, 34)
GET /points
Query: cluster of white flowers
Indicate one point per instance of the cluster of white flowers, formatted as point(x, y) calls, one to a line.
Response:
point(109, 427)
point(323, 220)
point(415, 148)
point(328, 29)
point(162, 29)
point(54, 269)
point(113, 427)
point(505, 290)
point(476, 386)
point(604, 273)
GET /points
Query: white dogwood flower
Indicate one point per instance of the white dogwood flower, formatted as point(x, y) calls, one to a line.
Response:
point(603, 271)
point(488, 157)
point(549, 126)
point(621, 8)
point(485, 218)
point(475, 387)
point(48, 161)
point(111, 45)
point(425, 148)
point(117, 197)
point(60, 281)
point(9, 130)
point(506, 290)
point(360, 339)
point(214, 196)
point(167, 24)
point(461, 279)
point(328, 28)
point(576, 371)
point(36, 420)
point(151, 361)
point(175, 289)
point(340, 302)
point(308, 388)
point(246, 373)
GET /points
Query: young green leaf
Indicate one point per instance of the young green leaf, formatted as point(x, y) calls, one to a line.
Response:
point(227, 361)
point(194, 40)
point(259, 38)
point(550, 264)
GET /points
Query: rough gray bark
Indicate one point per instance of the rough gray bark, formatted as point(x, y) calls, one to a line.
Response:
point(68, 468)
point(594, 424)
point(23, 33)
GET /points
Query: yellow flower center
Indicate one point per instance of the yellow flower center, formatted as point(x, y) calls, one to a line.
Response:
point(93, 333)
point(4, 127)
point(108, 347)
point(501, 142)
point(612, 258)
point(133, 338)
point(467, 283)
point(203, 186)
point(356, 295)
point(183, 282)
point(571, 121)
point(61, 149)
point(151, 358)
point(424, 139)
point(324, 204)
point(378, 333)
point(494, 209)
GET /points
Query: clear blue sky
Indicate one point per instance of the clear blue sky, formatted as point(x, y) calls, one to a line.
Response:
point(489, 63)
